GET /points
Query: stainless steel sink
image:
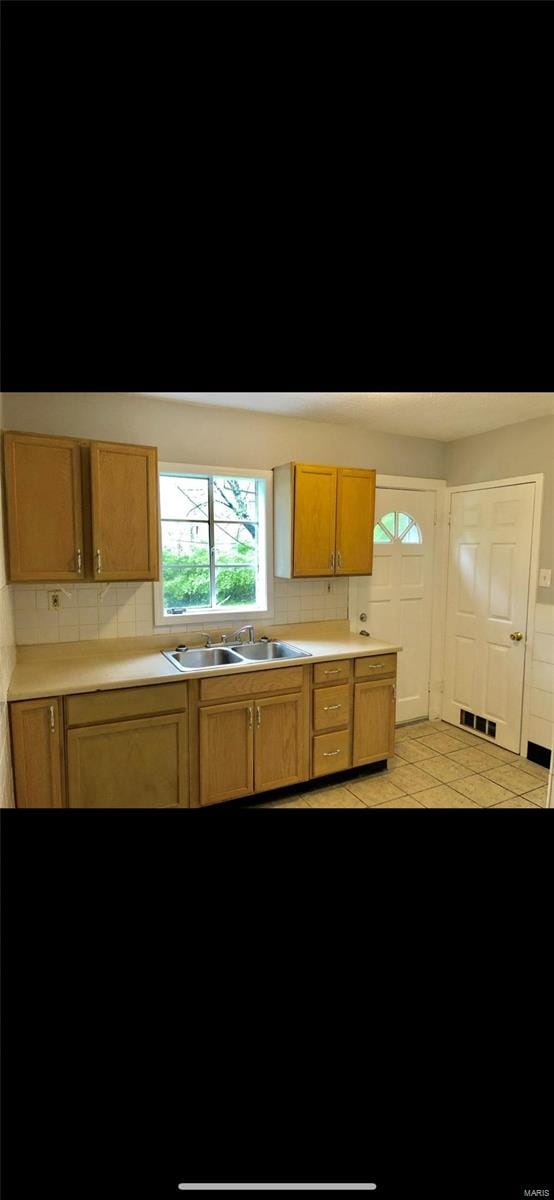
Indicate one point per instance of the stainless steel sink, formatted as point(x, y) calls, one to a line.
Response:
point(261, 651)
point(193, 660)
point(227, 656)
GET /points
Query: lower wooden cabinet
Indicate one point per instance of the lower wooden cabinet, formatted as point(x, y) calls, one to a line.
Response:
point(251, 746)
point(37, 741)
point(374, 718)
point(129, 764)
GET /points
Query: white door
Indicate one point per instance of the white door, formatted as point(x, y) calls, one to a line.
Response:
point(398, 595)
point(488, 589)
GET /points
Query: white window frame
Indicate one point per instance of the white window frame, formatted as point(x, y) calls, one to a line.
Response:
point(208, 617)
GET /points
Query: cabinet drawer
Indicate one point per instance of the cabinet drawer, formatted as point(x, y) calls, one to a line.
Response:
point(252, 683)
point(331, 752)
point(331, 707)
point(333, 672)
point(374, 668)
point(116, 705)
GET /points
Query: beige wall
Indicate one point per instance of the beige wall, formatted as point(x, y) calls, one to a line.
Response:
point(523, 449)
point(7, 661)
point(220, 436)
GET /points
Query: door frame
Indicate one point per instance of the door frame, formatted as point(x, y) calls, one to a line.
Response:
point(538, 482)
point(411, 483)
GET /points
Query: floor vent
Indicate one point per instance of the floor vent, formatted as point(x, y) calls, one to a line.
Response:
point(539, 754)
point(481, 724)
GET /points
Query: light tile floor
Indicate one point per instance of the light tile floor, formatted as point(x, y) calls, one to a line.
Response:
point(435, 765)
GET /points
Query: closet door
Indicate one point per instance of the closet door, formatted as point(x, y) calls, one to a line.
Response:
point(43, 508)
point(124, 496)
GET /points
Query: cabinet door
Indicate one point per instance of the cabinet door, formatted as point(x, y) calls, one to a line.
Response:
point(315, 504)
point(226, 751)
point(374, 714)
point(124, 497)
point(281, 749)
point(43, 507)
point(37, 753)
point(355, 521)
point(129, 764)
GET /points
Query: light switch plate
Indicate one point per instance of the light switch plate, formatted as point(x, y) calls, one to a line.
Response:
point(545, 577)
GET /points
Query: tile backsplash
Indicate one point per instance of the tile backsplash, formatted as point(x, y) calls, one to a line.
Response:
point(127, 609)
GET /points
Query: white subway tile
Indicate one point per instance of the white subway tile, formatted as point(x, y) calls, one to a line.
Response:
point(121, 593)
point(87, 597)
point(126, 630)
point(88, 616)
point(306, 603)
point(88, 633)
point(24, 598)
point(25, 616)
point(143, 628)
point(69, 633)
point(47, 619)
point(41, 599)
point(47, 635)
point(26, 635)
point(69, 600)
point(107, 631)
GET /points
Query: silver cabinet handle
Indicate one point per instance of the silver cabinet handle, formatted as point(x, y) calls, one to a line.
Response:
point(377, 667)
point(339, 559)
point(52, 718)
point(79, 562)
point(258, 716)
point(330, 753)
point(98, 563)
point(331, 707)
point(250, 718)
point(335, 671)
point(333, 560)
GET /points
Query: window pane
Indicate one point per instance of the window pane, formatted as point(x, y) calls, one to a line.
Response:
point(388, 522)
point(234, 499)
point(379, 535)
point(403, 521)
point(187, 541)
point(183, 497)
point(235, 585)
point(413, 536)
point(186, 587)
point(236, 543)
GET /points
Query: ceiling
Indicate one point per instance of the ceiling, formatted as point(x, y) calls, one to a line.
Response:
point(443, 416)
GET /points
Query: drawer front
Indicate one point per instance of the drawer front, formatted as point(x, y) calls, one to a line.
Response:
point(333, 672)
point(331, 707)
point(374, 668)
point(331, 752)
point(252, 683)
point(96, 707)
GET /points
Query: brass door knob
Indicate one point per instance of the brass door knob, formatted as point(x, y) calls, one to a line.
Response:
point(516, 637)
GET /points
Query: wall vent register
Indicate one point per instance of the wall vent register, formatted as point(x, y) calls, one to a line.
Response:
point(481, 724)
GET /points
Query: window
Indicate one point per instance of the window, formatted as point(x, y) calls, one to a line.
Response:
point(213, 543)
point(397, 527)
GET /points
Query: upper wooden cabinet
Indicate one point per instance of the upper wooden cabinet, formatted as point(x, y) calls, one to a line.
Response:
point(124, 495)
point(43, 507)
point(80, 510)
point(324, 518)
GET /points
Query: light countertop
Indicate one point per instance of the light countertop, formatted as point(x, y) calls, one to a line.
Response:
point(65, 669)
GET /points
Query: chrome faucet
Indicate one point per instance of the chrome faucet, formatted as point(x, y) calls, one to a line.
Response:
point(249, 629)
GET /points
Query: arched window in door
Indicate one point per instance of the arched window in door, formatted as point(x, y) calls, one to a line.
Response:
point(397, 527)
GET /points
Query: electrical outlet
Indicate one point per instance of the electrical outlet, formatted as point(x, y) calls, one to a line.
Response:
point(545, 577)
point(54, 599)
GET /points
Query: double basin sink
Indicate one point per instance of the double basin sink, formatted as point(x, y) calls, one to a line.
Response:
point(229, 656)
